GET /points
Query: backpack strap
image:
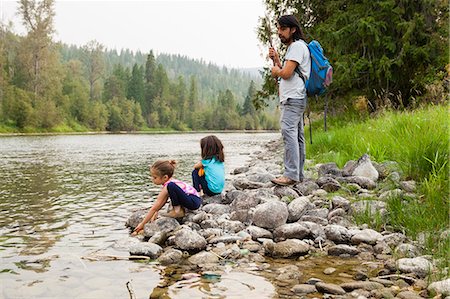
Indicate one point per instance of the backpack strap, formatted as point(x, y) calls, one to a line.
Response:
point(297, 69)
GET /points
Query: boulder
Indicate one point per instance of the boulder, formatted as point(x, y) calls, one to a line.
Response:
point(203, 257)
point(290, 231)
point(306, 188)
point(337, 233)
point(187, 239)
point(329, 169)
point(368, 236)
point(329, 288)
point(363, 182)
point(258, 232)
point(440, 287)
point(270, 214)
point(146, 248)
point(343, 249)
point(216, 208)
point(170, 257)
point(164, 225)
point(364, 168)
point(285, 249)
point(418, 265)
point(135, 218)
point(298, 207)
point(282, 191)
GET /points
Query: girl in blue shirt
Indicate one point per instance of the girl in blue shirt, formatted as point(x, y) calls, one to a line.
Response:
point(209, 173)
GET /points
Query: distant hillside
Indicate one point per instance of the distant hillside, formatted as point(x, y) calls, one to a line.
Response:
point(210, 78)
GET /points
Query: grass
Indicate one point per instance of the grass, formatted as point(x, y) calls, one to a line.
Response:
point(419, 141)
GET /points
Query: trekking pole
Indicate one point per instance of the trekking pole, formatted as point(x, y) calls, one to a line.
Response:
point(325, 113)
point(310, 128)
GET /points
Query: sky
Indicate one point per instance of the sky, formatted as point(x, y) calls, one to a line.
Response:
point(221, 32)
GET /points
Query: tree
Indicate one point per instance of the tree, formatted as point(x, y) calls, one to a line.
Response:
point(95, 64)
point(387, 49)
point(248, 107)
point(136, 88)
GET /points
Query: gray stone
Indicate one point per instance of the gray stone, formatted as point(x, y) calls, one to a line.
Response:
point(342, 249)
point(298, 207)
point(315, 229)
point(243, 183)
point(170, 257)
point(440, 287)
point(363, 182)
point(231, 226)
point(203, 257)
point(145, 248)
point(328, 184)
point(260, 177)
point(212, 199)
point(407, 250)
point(225, 239)
point(371, 206)
point(329, 288)
point(209, 223)
point(306, 187)
point(258, 232)
point(270, 214)
point(230, 196)
point(304, 289)
point(408, 295)
point(282, 191)
point(337, 233)
point(348, 168)
point(364, 168)
point(314, 219)
point(158, 238)
point(244, 202)
point(390, 194)
point(337, 212)
point(187, 239)
point(290, 231)
point(164, 225)
point(240, 170)
point(244, 216)
point(365, 285)
point(321, 213)
point(368, 236)
point(200, 216)
point(135, 218)
point(418, 265)
point(340, 202)
point(329, 169)
point(408, 186)
point(329, 270)
point(288, 273)
point(394, 239)
point(285, 249)
point(216, 208)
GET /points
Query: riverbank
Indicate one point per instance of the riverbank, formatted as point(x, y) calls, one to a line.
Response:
point(254, 222)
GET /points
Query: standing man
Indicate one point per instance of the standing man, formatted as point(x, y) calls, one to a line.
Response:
point(292, 93)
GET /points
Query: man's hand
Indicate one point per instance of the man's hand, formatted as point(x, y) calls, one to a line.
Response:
point(274, 56)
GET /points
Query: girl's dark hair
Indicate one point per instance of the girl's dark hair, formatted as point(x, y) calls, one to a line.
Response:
point(212, 148)
point(164, 167)
point(291, 22)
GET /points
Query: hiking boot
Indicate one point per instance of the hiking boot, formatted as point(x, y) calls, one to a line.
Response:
point(174, 214)
point(283, 181)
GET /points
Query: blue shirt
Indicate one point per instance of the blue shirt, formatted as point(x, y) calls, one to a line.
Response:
point(214, 174)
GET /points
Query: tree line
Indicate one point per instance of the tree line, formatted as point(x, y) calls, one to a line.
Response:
point(385, 53)
point(46, 85)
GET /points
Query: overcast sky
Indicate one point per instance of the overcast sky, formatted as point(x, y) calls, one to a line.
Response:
point(222, 32)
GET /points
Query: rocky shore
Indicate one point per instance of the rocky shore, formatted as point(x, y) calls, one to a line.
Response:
point(254, 220)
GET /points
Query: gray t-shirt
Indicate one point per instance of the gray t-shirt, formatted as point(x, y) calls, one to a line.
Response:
point(294, 87)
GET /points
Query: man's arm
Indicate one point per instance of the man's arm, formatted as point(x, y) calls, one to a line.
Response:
point(285, 72)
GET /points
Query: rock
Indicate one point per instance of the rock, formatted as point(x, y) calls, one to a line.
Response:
point(329, 270)
point(200, 216)
point(244, 216)
point(135, 218)
point(243, 183)
point(209, 223)
point(240, 170)
point(258, 232)
point(315, 229)
point(230, 196)
point(365, 285)
point(339, 212)
point(231, 226)
point(170, 257)
point(187, 239)
point(147, 249)
point(418, 265)
point(337, 233)
point(320, 213)
point(440, 287)
point(364, 168)
point(394, 239)
point(368, 236)
point(329, 288)
point(328, 184)
point(260, 177)
point(390, 194)
point(340, 202)
point(212, 199)
point(158, 238)
point(285, 249)
point(288, 273)
point(360, 275)
point(329, 169)
point(306, 187)
point(163, 225)
point(290, 231)
point(251, 246)
point(363, 182)
point(408, 295)
point(348, 168)
point(408, 186)
point(304, 289)
point(203, 257)
point(385, 282)
point(342, 249)
point(282, 191)
point(407, 250)
point(244, 202)
point(371, 206)
point(298, 207)
point(317, 220)
point(224, 239)
point(216, 209)
point(270, 214)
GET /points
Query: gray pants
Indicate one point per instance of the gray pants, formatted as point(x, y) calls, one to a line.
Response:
point(294, 137)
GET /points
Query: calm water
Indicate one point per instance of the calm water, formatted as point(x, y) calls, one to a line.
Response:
point(66, 197)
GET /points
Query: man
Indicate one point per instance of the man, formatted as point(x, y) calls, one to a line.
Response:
point(292, 97)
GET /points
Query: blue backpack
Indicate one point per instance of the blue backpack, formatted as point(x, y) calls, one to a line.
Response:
point(321, 71)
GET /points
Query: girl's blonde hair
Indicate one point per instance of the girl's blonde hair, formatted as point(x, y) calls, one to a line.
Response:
point(164, 167)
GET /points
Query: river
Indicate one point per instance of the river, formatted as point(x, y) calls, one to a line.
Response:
point(64, 197)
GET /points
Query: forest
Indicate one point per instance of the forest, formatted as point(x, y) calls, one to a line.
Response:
point(48, 86)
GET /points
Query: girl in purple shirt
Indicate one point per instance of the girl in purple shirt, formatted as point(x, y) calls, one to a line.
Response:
point(182, 195)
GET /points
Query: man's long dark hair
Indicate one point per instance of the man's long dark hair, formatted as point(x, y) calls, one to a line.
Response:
point(291, 22)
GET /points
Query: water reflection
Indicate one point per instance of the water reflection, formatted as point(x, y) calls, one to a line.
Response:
point(64, 197)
